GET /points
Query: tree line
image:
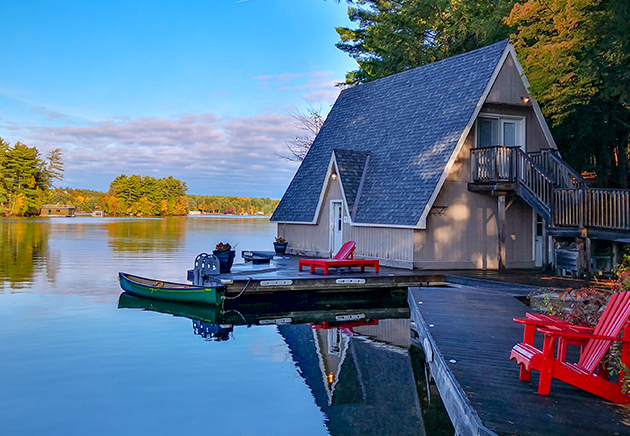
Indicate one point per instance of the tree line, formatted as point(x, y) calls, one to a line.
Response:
point(146, 196)
point(576, 56)
point(232, 205)
point(26, 177)
point(26, 184)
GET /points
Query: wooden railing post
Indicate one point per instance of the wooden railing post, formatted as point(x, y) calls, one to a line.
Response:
point(580, 200)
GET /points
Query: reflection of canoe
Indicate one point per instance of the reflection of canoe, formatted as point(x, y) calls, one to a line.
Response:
point(170, 291)
point(244, 311)
point(193, 311)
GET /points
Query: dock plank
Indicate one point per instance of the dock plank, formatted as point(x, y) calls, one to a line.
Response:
point(473, 327)
point(282, 275)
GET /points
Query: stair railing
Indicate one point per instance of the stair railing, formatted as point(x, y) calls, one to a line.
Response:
point(552, 185)
point(534, 179)
point(563, 176)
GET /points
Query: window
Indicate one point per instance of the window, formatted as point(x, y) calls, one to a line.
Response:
point(500, 131)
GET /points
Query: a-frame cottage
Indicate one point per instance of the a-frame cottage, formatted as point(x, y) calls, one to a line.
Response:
point(446, 166)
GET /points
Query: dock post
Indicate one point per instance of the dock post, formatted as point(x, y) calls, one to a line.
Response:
point(502, 231)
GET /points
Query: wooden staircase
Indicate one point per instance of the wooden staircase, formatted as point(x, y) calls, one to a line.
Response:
point(555, 191)
point(558, 194)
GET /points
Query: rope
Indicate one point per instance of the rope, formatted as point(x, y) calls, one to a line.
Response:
point(223, 297)
point(236, 311)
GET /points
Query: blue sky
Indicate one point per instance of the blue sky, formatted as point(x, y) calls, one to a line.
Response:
point(200, 90)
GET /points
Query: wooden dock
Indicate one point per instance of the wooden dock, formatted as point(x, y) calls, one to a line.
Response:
point(281, 274)
point(467, 333)
point(464, 325)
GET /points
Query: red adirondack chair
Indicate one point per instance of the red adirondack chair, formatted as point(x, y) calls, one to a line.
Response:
point(343, 259)
point(588, 373)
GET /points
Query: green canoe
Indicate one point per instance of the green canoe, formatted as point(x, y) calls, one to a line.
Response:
point(171, 291)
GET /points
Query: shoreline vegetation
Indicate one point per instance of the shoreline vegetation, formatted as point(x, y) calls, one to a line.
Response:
point(160, 197)
point(26, 185)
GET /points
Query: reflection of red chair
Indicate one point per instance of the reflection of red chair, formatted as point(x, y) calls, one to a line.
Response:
point(343, 259)
point(589, 372)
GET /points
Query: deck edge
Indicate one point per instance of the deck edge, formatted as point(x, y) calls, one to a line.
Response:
point(463, 416)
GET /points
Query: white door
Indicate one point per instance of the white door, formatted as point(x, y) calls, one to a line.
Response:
point(336, 226)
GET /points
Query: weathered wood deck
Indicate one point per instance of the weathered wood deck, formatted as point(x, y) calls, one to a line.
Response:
point(469, 332)
point(281, 274)
point(466, 318)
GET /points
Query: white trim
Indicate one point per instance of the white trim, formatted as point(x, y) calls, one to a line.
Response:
point(332, 226)
point(355, 207)
point(311, 223)
point(521, 133)
point(322, 192)
point(333, 158)
point(539, 115)
point(422, 222)
point(389, 226)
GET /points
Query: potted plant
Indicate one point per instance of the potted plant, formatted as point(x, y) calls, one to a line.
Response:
point(225, 254)
point(280, 245)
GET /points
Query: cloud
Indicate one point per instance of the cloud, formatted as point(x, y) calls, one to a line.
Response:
point(50, 115)
point(312, 86)
point(213, 155)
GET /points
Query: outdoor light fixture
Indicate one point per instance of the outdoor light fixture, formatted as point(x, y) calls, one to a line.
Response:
point(525, 99)
point(334, 176)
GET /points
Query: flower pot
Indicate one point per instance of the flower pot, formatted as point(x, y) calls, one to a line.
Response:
point(226, 259)
point(280, 247)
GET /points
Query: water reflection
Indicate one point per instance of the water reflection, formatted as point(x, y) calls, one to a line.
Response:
point(146, 235)
point(352, 352)
point(23, 250)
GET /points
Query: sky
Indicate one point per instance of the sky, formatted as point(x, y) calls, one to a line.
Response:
point(201, 90)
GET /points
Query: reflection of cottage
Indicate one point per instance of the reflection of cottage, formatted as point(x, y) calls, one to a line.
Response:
point(66, 210)
point(450, 165)
point(362, 381)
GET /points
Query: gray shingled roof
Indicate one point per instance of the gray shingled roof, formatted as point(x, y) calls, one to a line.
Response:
point(351, 165)
point(409, 123)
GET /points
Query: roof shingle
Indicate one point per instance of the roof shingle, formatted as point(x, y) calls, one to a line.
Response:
point(409, 123)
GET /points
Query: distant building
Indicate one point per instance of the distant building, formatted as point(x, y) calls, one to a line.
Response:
point(67, 210)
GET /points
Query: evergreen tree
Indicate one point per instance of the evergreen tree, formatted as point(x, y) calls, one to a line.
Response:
point(396, 35)
point(23, 184)
point(577, 57)
point(54, 168)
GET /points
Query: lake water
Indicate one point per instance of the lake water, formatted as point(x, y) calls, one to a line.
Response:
point(72, 362)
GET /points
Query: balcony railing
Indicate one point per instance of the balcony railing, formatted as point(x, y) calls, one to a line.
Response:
point(592, 207)
point(494, 164)
point(558, 191)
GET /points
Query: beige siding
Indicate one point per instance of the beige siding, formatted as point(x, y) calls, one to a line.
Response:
point(508, 87)
point(534, 137)
point(505, 99)
point(463, 235)
point(314, 239)
point(393, 246)
point(462, 229)
point(519, 246)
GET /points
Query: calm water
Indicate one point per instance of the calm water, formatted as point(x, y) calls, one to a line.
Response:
point(72, 362)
